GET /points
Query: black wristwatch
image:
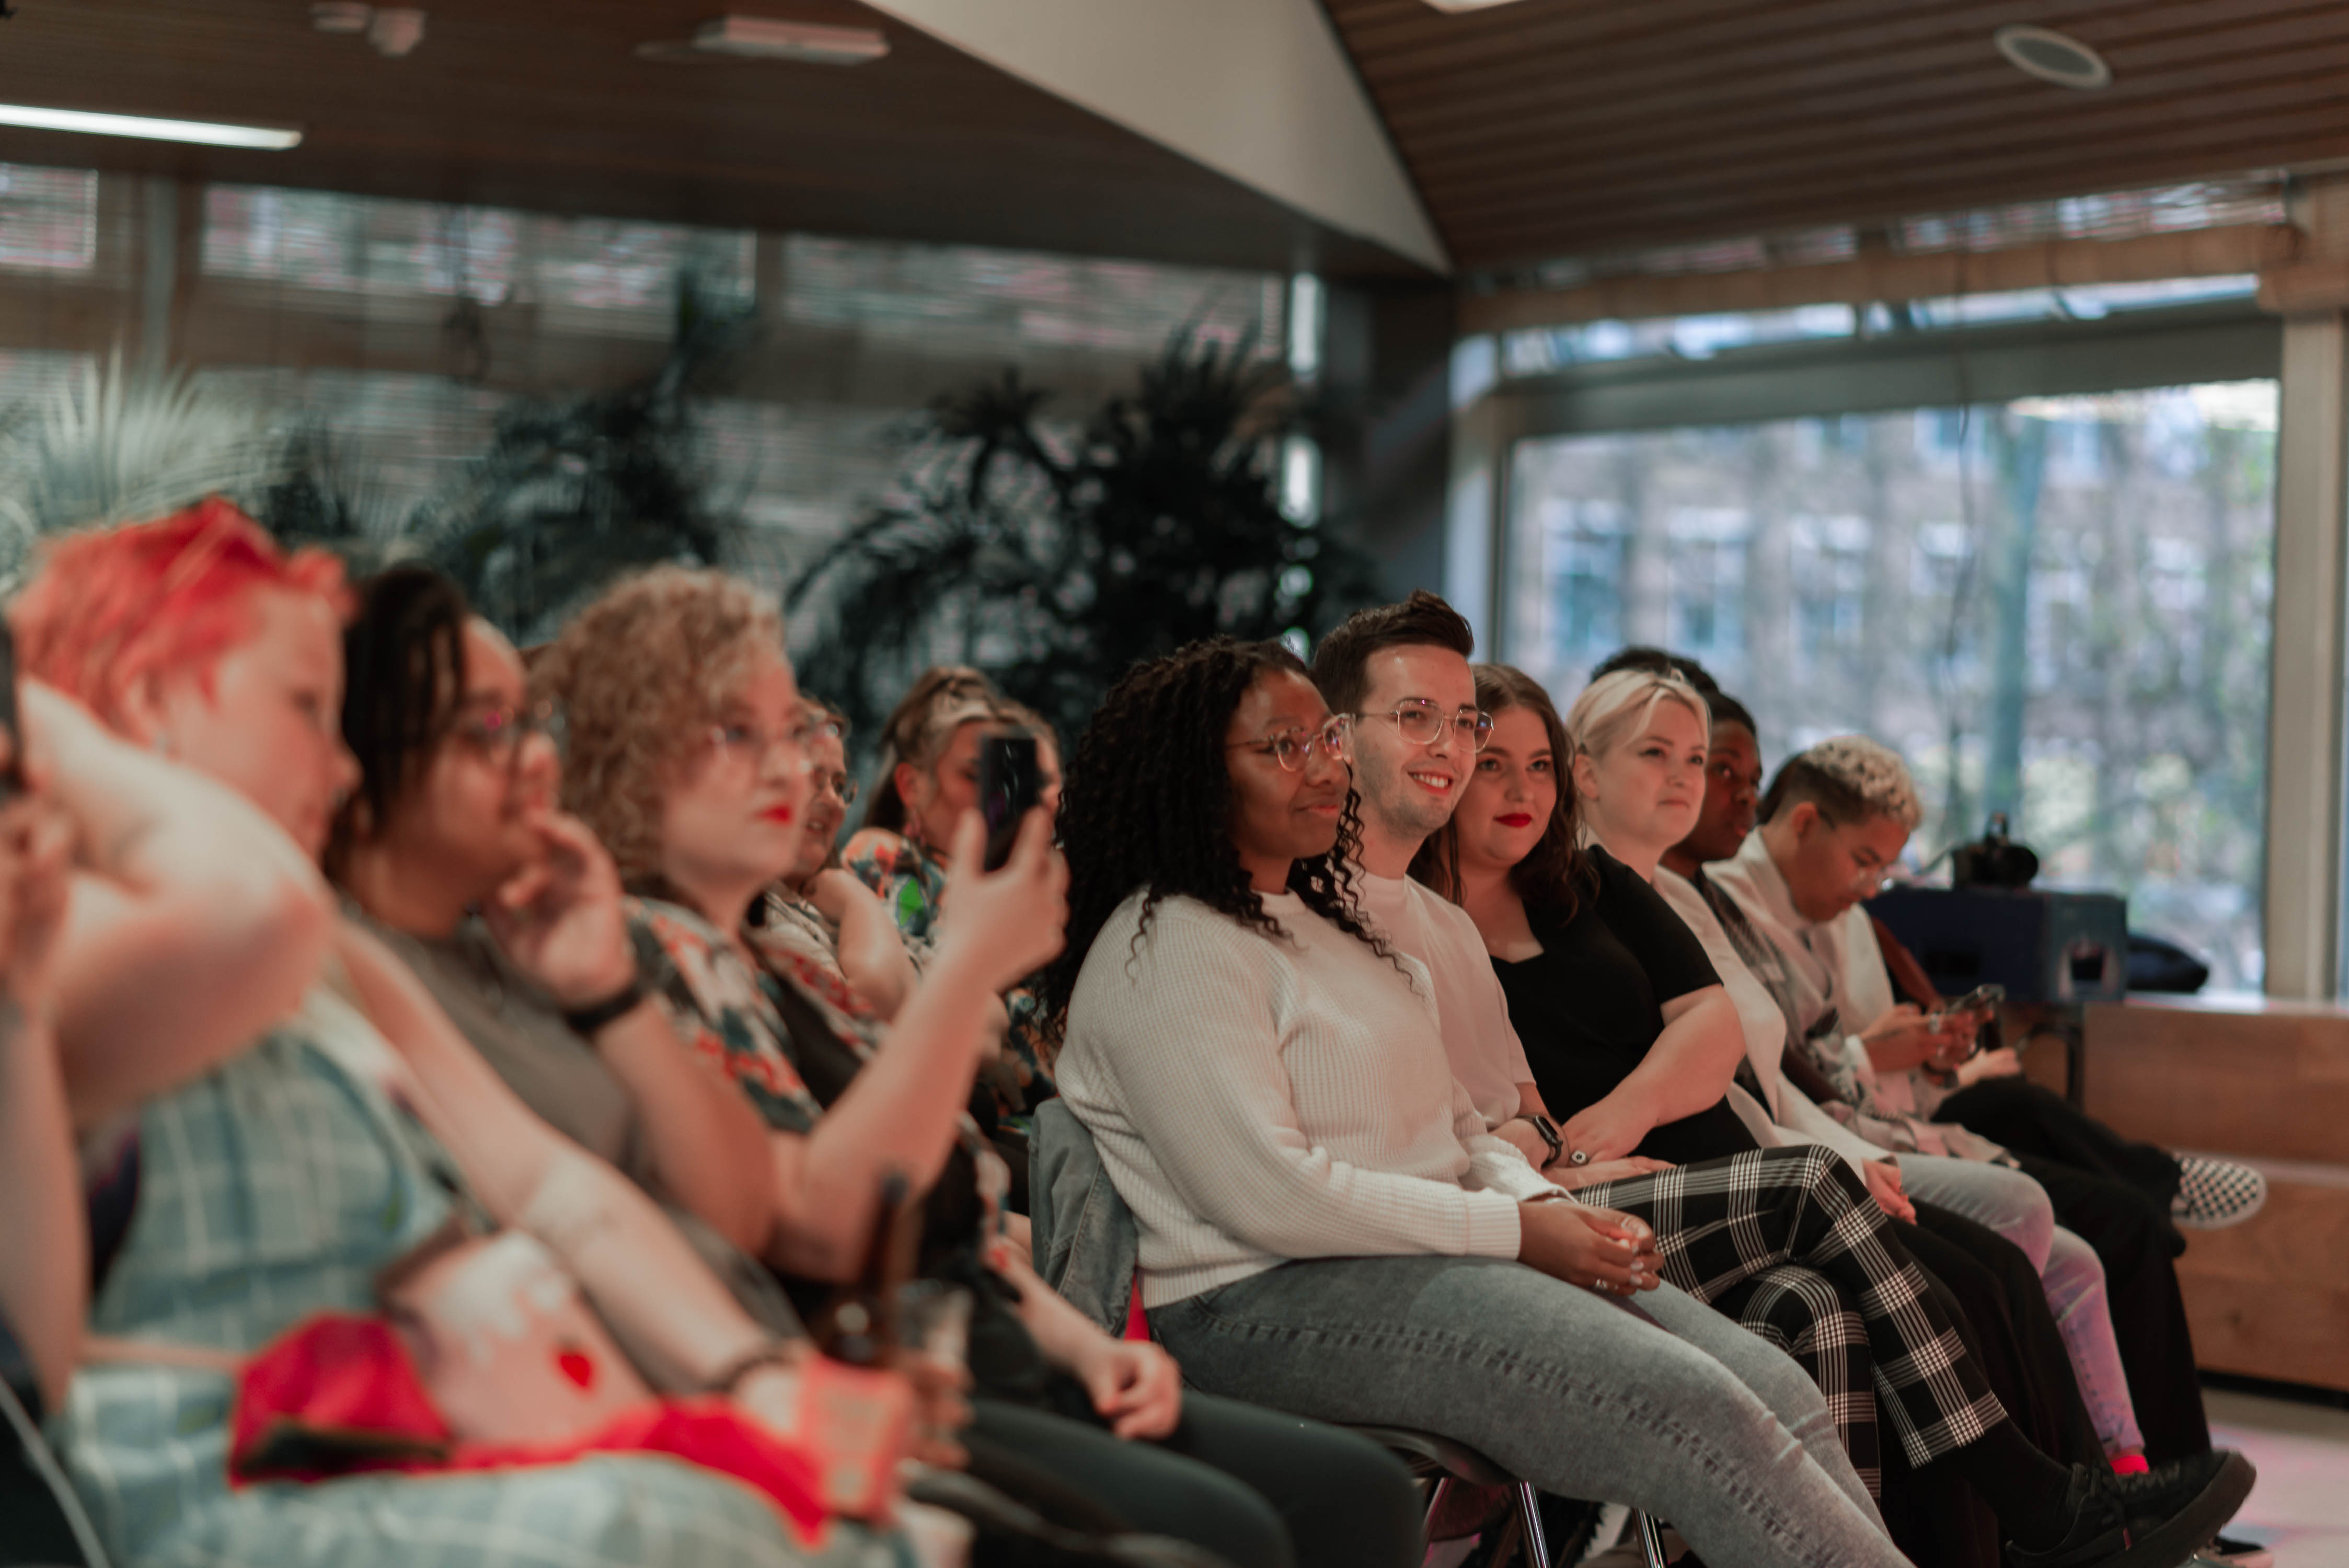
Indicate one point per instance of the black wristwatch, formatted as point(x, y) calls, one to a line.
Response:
point(594, 1018)
point(1549, 1130)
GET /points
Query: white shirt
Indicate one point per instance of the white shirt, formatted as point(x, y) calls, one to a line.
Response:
point(1792, 1117)
point(1257, 1099)
point(1486, 1055)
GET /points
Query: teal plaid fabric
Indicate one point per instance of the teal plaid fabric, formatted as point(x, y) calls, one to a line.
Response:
point(276, 1187)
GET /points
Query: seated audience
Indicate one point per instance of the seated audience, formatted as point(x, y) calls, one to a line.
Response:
point(1325, 1223)
point(1993, 1194)
point(454, 852)
point(1837, 817)
point(309, 1126)
point(688, 753)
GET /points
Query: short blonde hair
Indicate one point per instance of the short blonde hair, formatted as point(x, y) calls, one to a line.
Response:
point(1849, 778)
point(1616, 707)
point(637, 677)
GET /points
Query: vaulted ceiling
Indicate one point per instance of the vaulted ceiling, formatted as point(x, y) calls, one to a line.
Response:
point(1557, 128)
point(1535, 131)
point(546, 105)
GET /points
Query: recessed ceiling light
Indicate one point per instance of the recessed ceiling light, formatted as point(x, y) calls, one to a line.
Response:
point(2052, 56)
point(204, 132)
point(758, 38)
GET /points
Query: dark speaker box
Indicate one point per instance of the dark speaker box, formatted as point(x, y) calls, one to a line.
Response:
point(2041, 946)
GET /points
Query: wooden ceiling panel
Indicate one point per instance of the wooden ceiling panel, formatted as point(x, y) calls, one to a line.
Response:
point(547, 108)
point(1555, 128)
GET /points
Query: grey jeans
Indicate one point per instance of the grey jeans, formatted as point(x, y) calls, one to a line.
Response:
point(1698, 1421)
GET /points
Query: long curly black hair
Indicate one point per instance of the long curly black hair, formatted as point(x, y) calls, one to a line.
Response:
point(1148, 804)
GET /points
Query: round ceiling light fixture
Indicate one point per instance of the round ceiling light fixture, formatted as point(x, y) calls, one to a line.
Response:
point(2052, 56)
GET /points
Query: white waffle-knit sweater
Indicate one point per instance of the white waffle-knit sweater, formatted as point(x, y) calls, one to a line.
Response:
point(1257, 1099)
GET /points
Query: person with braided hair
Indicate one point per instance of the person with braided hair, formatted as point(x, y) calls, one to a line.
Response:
point(1325, 1224)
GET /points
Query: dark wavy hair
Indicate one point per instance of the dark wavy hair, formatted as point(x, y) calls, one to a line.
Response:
point(1147, 805)
point(404, 671)
point(1555, 876)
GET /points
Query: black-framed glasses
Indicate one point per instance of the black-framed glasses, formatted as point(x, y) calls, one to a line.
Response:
point(1294, 748)
point(840, 784)
point(498, 729)
point(1424, 723)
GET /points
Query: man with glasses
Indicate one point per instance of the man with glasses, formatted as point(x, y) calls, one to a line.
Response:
point(1399, 676)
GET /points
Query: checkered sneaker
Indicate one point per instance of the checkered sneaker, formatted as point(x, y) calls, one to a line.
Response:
point(2213, 1194)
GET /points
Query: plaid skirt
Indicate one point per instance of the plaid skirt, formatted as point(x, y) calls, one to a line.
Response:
point(1788, 1241)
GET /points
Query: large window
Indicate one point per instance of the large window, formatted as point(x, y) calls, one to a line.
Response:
point(2057, 607)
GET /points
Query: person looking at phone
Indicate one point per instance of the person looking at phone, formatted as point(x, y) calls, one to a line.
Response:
point(928, 780)
point(307, 1119)
point(1793, 889)
point(704, 816)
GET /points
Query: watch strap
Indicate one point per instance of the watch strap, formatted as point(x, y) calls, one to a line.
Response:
point(592, 1018)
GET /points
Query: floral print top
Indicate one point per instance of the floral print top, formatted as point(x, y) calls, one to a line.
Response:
point(719, 1007)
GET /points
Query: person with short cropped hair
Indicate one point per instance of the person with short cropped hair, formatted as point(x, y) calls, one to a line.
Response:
point(1833, 821)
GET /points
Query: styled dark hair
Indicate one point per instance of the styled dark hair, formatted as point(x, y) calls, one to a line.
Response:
point(1727, 709)
point(1147, 806)
point(1555, 876)
point(918, 728)
point(1341, 664)
point(1657, 661)
point(404, 671)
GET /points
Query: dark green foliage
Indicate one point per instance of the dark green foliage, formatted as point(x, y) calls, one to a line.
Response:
point(1055, 562)
point(575, 490)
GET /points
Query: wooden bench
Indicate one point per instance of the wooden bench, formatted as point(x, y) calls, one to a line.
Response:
point(2268, 1083)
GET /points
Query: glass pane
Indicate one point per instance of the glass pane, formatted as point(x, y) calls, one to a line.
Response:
point(48, 218)
point(2058, 607)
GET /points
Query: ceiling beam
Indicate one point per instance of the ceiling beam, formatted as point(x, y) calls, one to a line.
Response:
point(1864, 280)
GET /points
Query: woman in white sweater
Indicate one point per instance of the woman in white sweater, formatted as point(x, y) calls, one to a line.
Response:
point(1325, 1225)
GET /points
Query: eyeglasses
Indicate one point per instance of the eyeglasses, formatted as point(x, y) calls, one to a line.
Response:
point(497, 732)
point(1293, 748)
point(840, 784)
point(1421, 723)
point(747, 743)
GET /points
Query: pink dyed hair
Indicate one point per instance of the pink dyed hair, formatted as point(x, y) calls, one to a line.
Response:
point(110, 607)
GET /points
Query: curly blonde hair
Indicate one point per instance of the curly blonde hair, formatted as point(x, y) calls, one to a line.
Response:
point(636, 677)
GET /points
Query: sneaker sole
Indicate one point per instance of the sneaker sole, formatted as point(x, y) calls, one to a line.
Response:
point(2177, 1539)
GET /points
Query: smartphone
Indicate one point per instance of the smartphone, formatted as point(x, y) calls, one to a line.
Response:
point(1988, 994)
point(12, 775)
point(1011, 783)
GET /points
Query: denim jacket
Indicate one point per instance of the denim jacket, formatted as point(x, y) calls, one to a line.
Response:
point(1087, 1245)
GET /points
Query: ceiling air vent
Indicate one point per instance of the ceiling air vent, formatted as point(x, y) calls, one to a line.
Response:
point(2052, 56)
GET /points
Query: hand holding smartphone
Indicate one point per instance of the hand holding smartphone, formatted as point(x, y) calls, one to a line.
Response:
point(1010, 783)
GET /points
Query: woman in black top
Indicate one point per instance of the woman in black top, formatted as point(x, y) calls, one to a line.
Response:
point(1621, 982)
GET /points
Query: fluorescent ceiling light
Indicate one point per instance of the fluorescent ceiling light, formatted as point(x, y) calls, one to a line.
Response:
point(1468, 5)
point(759, 38)
point(204, 132)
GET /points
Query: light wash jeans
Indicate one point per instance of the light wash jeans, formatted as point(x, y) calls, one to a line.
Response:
point(2016, 1207)
point(1698, 1423)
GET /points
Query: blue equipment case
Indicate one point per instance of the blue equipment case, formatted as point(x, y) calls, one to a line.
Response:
point(2043, 946)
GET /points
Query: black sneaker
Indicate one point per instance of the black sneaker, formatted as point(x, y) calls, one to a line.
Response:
point(2098, 1536)
point(2178, 1508)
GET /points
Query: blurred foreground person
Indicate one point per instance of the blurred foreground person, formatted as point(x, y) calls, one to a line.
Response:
point(316, 1151)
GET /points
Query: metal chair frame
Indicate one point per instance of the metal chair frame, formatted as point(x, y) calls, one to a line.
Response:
point(1444, 1462)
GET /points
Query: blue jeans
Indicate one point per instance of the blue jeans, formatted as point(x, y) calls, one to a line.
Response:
point(2016, 1207)
point(1698, 1421)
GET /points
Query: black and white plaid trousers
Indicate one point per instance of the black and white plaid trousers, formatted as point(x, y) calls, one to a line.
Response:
point(1788, 1241)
